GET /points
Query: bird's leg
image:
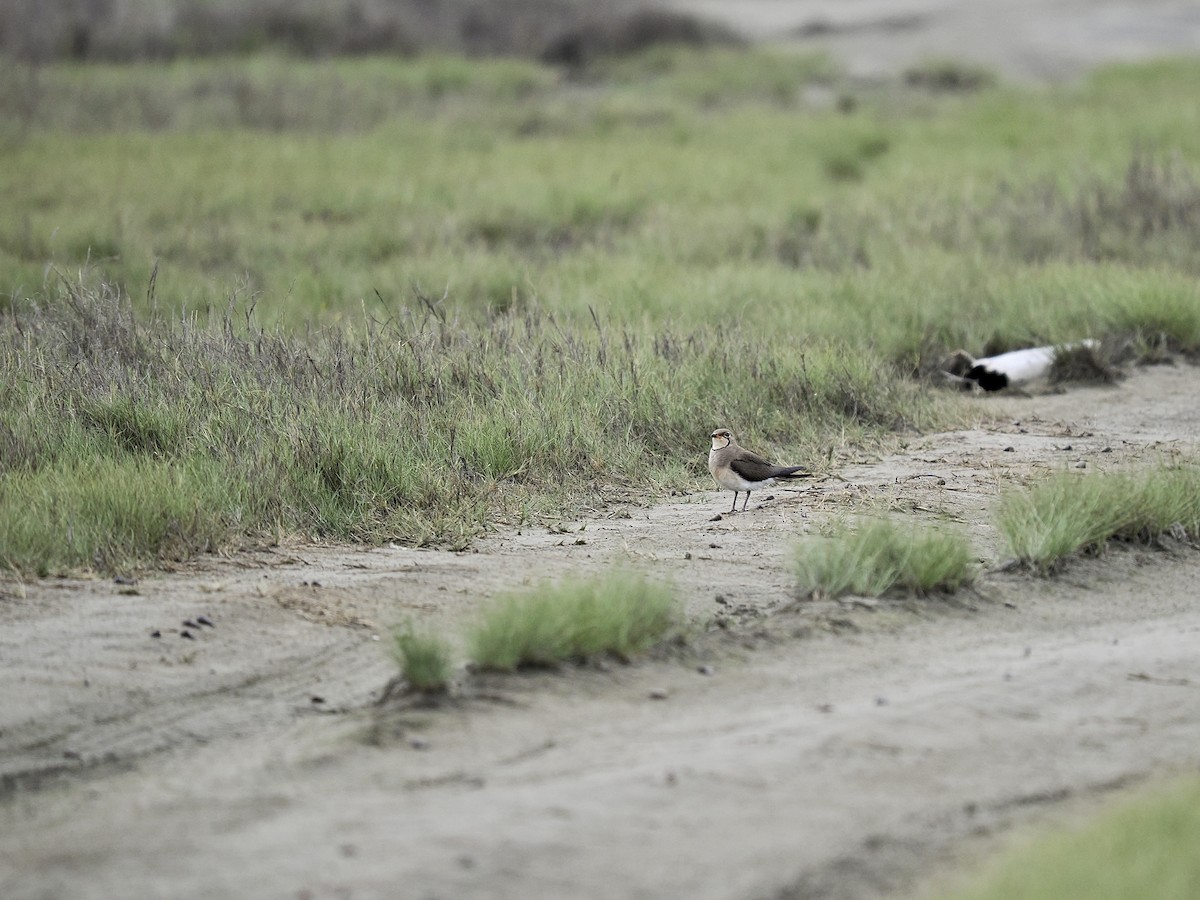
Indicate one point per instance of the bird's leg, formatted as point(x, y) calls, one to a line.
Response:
point(735, 493)
point(745, 503)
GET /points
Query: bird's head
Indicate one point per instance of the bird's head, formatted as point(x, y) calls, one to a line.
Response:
point(721, 438)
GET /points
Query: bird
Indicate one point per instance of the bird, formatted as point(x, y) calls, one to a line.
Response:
point(737, 469)
point(1017, 367)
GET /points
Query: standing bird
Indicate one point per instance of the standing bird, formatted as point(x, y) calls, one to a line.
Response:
point(737, 469)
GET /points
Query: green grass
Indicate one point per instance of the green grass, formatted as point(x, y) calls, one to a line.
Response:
point(882, 556)
point(425, 660)
point(553, 623)
point(113, 514)
point(1069, 514)
point(409, 429)
point(483, 291)
point(1142, 849)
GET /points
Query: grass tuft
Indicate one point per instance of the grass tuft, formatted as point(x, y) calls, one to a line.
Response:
point(620, 615)
point(882, 556)
point(425, 660)
point(1074, 513)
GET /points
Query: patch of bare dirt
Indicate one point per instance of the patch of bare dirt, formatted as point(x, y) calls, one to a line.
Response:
point(1025, 40)
point(794, 749)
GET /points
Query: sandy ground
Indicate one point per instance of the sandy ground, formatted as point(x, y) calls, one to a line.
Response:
point(795, 749)
point(1024, 40)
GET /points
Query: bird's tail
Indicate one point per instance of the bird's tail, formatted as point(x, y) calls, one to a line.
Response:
point(792, 472)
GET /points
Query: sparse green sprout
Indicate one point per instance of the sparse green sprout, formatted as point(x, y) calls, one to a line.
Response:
point(425, 660)
point(1072, 513)
point(882, 556)
point(620, 615)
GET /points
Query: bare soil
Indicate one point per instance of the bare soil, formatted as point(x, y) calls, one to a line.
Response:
point(793, 748)
point(1023, 40)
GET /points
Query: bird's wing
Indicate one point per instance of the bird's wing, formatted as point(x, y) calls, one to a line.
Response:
point(753, 467)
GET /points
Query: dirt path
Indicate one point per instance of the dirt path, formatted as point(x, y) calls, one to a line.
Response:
point(834, 749)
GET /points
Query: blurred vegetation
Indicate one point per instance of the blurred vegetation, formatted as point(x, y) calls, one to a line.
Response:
point(564, 31)
point(1142, 848)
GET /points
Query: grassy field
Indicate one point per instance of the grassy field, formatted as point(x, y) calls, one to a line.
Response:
point(381, 299)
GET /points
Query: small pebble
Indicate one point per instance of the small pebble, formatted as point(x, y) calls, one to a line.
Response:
point(1010, 449)
point(705, 670)
point(187, 634)
point(205, 620)
point(314, 699)
point(659, 694)
point(156, 633)
point(418, 743)
point(188, 623)
point(881, 701)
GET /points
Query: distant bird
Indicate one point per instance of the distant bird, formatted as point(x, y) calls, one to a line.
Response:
point(994, 373)
point(737, 469)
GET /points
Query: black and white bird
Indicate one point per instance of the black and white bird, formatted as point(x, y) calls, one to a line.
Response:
point(737, 469)
point(1017, 367)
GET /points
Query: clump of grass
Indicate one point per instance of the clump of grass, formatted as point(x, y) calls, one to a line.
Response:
point(949, 75)
point(1143, 849)
point(425, 660)
point(1063, 516)
point(1069, 514)
point(881, 557)
point(1083, 363)
point(553, 623)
